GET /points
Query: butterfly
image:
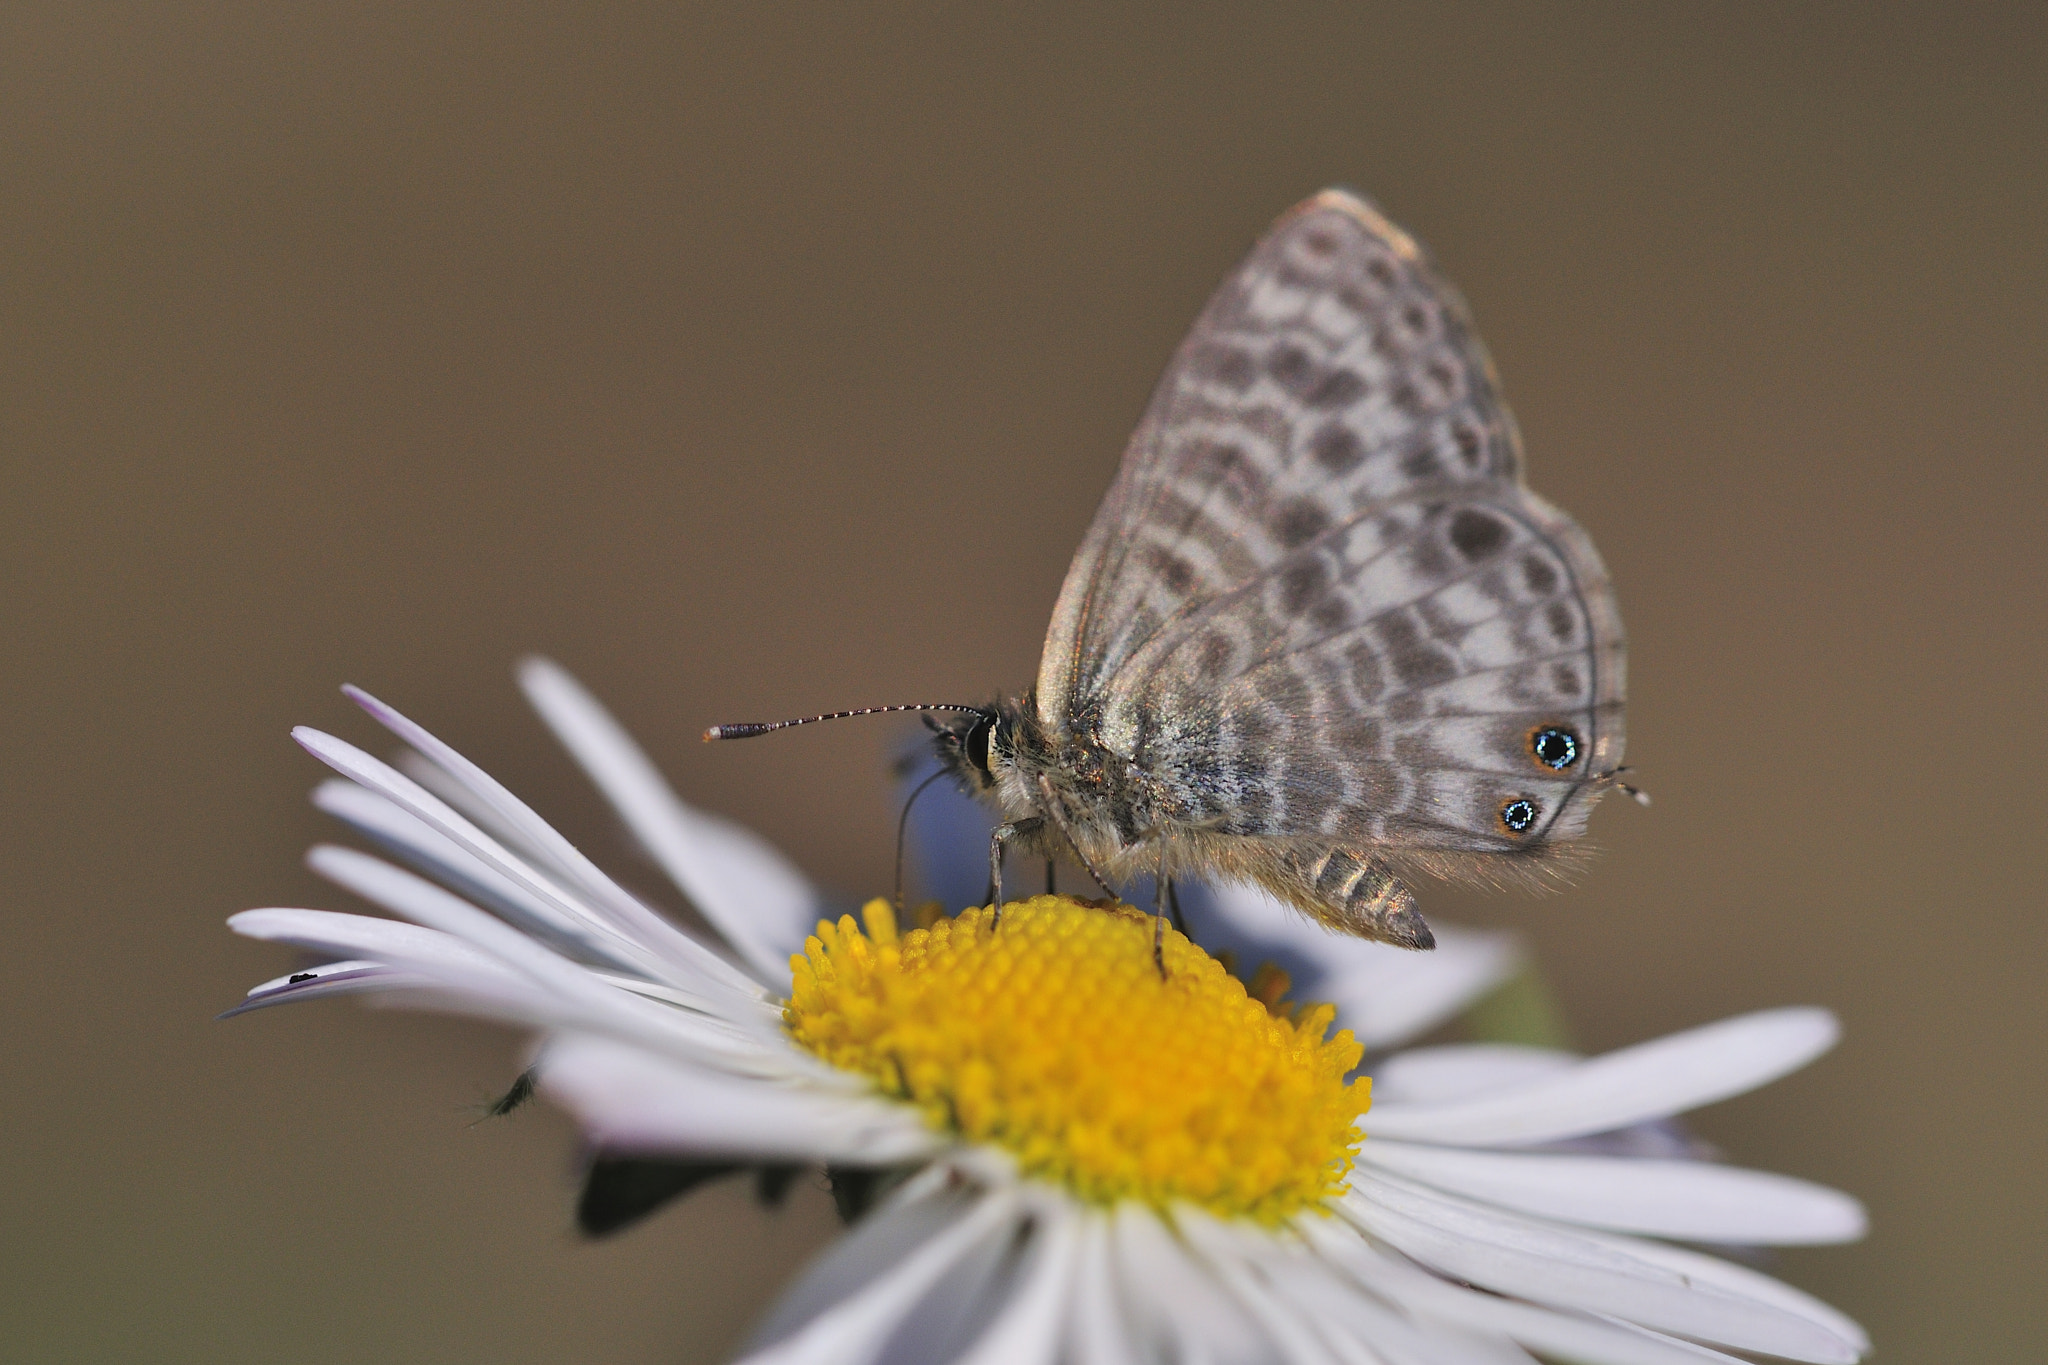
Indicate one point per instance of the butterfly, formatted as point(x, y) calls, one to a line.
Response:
point(1319, 636)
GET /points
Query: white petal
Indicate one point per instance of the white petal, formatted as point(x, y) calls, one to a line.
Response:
point(430, 969)
point(957, 1308)
point(1566, 1335)
point(331, 978)
point(1461, 1071)
point(413, 840)
point(1691, 1200)
point(1700, 1268)
point(1099, 1330)
point(386, 783)
point(1177, 1302)
point(418, 843)
point(1513, 1255)
point(1355, 1321)
point(472, 808)
point(1026, 1329)
point(1383, 994)
point(1409, 993)
point(746, 1038)
point(678, 956)
point(922, 1207)
point(1292, 1340)
point(854, 1298)
point(1650, 1081)
point(378, 940)
point(631, 1099)
point(546, 991)
point(749, 892)
point(557, 854)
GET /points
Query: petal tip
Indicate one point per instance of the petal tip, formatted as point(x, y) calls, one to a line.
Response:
point(368, 702)
point(537, 670)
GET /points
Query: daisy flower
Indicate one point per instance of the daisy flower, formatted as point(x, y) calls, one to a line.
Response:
point(1077, 1157)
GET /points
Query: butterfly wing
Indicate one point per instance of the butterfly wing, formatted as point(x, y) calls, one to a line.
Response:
point(1317, 600)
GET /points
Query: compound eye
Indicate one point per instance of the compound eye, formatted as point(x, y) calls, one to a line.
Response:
point(1555, 748)
point(977, 744)
point(1519, 814)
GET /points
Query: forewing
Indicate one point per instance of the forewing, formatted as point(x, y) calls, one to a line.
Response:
point(1329, 372)
point(1317, 599)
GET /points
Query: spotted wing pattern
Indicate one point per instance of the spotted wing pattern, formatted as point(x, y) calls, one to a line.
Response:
point(1317, 600)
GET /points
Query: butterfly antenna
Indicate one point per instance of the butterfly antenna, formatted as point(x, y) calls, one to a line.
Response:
point(903, 827)
point(748, 729)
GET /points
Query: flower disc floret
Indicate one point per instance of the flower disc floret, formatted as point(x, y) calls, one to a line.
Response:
point(1054, 1035)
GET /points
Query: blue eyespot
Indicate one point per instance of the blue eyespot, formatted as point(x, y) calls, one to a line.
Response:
point(1554, 748)
point(1519, 814)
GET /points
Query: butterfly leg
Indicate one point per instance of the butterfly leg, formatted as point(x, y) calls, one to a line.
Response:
point(1163, 898)
point(1052, 813)
point(1002, 834)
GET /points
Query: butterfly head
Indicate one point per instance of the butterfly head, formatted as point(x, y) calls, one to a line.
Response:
point(973, 746)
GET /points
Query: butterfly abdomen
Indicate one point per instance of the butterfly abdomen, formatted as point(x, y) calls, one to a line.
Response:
point(1351, 890)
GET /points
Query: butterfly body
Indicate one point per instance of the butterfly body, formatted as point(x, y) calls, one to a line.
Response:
point(1068, 795)
point(1319, 635)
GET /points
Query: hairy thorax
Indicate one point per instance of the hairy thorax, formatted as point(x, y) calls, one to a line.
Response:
point(1083, 793)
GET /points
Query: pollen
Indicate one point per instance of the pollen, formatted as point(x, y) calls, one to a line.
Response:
point(1055, 1036)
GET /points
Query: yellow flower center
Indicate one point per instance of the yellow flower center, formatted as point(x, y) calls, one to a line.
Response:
point(1055, 1036)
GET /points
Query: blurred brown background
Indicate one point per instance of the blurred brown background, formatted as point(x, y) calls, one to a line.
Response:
point(751, 362)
